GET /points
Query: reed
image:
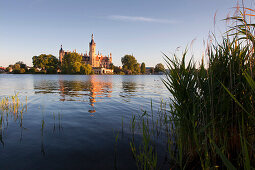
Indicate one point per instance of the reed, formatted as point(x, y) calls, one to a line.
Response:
point(145, 153)
point(11, 107)
point(209, 123)
point(210, 126)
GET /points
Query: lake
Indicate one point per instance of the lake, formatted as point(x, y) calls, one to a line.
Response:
point(71, 121)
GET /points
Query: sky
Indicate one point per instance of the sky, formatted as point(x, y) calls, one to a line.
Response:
point(144, 28)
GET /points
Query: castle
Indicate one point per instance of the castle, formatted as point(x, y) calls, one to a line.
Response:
point(93, 59)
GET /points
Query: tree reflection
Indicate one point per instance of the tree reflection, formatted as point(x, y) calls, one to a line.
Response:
point(129, 87)
point(129, 90)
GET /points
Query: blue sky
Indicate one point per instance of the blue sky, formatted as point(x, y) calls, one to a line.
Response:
point(144, 28)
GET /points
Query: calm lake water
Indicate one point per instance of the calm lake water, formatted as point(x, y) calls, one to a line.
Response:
point(72, 120)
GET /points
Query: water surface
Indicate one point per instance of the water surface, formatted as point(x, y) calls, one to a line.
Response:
point(72, 120)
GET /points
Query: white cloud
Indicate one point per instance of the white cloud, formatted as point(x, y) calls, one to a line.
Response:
point(140, 19)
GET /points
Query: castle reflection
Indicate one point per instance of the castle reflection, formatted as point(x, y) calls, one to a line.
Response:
point(94, 87)
point(89, 89)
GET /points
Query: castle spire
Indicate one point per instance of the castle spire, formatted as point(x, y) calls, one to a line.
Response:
point(61, 49)
point(92, 39)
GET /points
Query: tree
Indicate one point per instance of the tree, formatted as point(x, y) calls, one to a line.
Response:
point(39, 61)
point(85, 69)
point(50, 70)
point(111, 66)
point(52, 62)
point(117, 70)
point(129, 62)
point(159, 68)
point(16, 68)
point(22, 64)
point(49, 63)
point(152, 70)
point(22, 70)
point(143, 69)
point(71, 63)
point(137, 68)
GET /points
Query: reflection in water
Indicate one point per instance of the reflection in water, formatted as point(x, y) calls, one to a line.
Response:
point(91, 87)
point(42, 131)
point(55, 126)
point(98, 89)
point(88, 140)
point(60, 128)
point(129, 90)
point(129, 87)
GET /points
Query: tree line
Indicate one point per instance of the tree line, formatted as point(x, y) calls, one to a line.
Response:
point(131, 66)
point(72, 64)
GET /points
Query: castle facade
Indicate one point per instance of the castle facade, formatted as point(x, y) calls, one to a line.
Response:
point(93, 59)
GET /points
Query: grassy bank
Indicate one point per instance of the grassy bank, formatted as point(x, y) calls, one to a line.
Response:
point(209, 123)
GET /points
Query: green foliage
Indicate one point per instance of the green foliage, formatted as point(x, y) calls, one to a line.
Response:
point(145, 156)
point(117, 70)
point(143, 69)
point(22, 64)
point(18, 68)
point(201, 101)
point(76, 67)
point(51, 70)
point(159, 68)
point(137, 69)
point(49, 63)
point(39, 61)
point(152, 127)
point(210, 120)
point(130, 64)
point(71, 63)
point(22, 70)
point(85, 69)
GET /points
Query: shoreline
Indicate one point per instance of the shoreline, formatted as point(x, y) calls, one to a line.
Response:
point(84, 74)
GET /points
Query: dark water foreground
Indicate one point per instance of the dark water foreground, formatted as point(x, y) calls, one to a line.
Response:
point(71, 121)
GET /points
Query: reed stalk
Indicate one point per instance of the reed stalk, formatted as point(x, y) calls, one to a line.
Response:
point(210, 120)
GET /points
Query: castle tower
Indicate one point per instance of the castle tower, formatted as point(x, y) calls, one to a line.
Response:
point(61, 54)
point(92, 52)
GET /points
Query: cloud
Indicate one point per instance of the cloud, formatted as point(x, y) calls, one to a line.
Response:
point(140, 19)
